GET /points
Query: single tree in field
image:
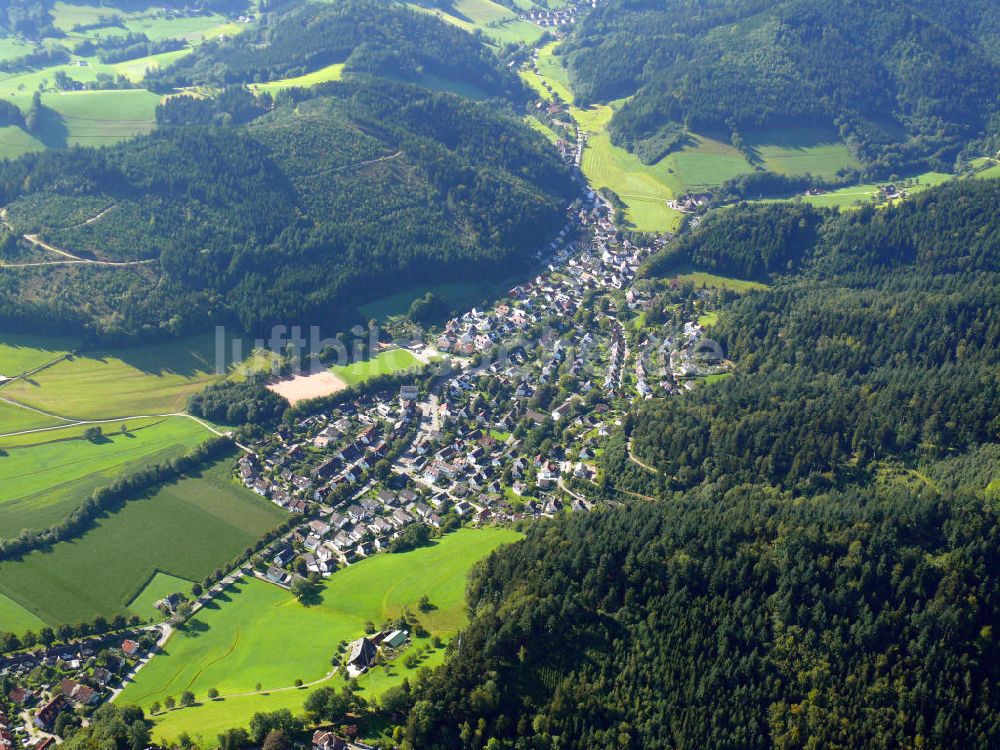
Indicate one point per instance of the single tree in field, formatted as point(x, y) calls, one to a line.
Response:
point(213, 694)
point(155, 707)
point(170, 702)
point(187, 698)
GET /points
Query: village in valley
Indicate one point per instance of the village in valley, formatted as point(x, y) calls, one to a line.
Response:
point(503, 425)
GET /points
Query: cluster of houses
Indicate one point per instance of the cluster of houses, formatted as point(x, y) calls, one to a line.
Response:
point(87, 670)
point(559, 17)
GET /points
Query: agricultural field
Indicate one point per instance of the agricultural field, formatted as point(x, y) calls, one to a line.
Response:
point(14, 142)
point(713, 281)
point(16, 619)
point(42, 481)
point(160, 586)
point(386, 363)
point(84, 118)
point(542, 128)
point(228, 645)
point(460, 295)
point(498, 23)
point(15, 418)
point(154, 22)
point(793, 151)
point(329, 73)
point(137, 381)
point(97, 117)
point(644, 189)
point(705, 162)
point(20, 353)
point(186, 529)
point(550, 67)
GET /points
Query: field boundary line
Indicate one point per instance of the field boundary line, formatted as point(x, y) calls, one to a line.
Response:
point(78, 422)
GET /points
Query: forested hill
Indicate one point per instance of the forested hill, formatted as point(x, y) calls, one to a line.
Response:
point(323, 202)
point(816, 560)
point(367, 36)
point(740, 620)
point(884, 342)
point(904, 83)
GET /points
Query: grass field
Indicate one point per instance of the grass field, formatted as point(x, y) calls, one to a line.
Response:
point(542, 128)
point(854, 195)
point(550, 67)
point(643, 188)
point(84, 118)
point(16, 619)
point(818, 151)
point(20, 353)
point(229, 646)
point(146, 380)
point(329, 73)
point(497, 23)
point(14, 143)
point(713, 281)
point(160, 586)
point(385, 363)
point(532, 78)
point(15, 418)
point(40, 484)
point(186, 529)
point(460, 296)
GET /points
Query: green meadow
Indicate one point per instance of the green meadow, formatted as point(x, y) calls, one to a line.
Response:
point(21, 353)
point(713, 281)
point(136, 381)
point(550, 67)
point(385, 363)
point(792, 151)
point(542, 128)
point(644, 189)
point(41, 483)
point(160, 586)
point(15, 418)
point(460, 295)
point(329, 73)
point(16, 619)
point(186, 528)
point(499, 24)
point(230, 645)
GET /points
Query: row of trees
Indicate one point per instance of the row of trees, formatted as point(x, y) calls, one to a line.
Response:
point(110, 496)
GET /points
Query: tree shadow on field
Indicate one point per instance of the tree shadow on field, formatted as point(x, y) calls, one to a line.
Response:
point(193, 628)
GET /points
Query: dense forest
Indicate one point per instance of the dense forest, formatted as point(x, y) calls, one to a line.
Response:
point(349, 191)
point(818, 560)
point(904, 87)
point(367, 36)
point(733, 619)
point(885, 343)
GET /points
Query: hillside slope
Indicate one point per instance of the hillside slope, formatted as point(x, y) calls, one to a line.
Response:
point(367, 36)
point(902, 87)
point(822, 567)
point(324, 202)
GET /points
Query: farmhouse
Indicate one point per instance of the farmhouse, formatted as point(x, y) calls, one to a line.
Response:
point(362, 653)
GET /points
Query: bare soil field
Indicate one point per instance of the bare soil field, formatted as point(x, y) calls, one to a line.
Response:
point(303, 387)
